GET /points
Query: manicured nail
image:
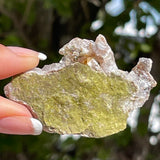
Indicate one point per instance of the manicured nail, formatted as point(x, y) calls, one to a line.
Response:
point(20, 126)
point(42, 56)
point(27, 52)
point(37, 126)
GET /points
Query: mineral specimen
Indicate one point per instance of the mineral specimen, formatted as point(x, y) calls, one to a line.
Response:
point(85, 93)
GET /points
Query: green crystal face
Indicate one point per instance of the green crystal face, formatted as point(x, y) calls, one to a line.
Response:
point(76, 100)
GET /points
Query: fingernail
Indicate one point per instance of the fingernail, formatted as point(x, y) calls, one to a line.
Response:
point(27, 52)
point(42, 56)
point(37, 126)
point(20, 126)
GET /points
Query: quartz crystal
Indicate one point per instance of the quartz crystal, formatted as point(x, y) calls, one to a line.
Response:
point(85, 93)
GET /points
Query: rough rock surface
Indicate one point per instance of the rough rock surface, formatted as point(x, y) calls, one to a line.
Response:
point(85, 93)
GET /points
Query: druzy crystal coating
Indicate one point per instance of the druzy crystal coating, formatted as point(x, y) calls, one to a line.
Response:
point(85, 93)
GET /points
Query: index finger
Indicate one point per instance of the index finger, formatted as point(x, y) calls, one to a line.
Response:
point(15, 60)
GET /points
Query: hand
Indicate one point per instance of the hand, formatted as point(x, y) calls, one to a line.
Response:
point(14, 117)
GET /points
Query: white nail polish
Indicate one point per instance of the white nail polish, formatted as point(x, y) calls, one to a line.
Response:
point(42, 56)
point(37, 126)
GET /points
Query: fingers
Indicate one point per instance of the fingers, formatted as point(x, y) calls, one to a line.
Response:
point(16, 119)
point(9, 108)
point(15, 60)
point(20, 125)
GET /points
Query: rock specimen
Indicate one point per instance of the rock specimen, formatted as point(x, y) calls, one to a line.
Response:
point(85, 93)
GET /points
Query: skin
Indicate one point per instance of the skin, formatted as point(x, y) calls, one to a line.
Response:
point(15, 118)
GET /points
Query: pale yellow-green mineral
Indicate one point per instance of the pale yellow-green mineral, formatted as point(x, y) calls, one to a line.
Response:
point(85, 93)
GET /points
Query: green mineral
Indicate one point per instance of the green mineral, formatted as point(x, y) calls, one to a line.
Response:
point(85, 93)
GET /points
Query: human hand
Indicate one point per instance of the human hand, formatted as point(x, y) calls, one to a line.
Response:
point(15, 118)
